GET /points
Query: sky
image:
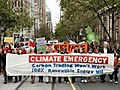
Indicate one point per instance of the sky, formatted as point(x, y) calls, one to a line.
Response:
point(54, 7)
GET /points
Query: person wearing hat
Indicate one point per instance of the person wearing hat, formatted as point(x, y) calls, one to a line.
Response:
point(105, 49)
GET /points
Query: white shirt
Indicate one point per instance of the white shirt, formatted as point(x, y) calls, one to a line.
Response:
point(105, 50)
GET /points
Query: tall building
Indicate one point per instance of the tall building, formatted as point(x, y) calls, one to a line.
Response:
point(21, 5)
point(49, 22)
point(112, 28)
point(24, 6)
point(36, 10)
point(39, 14)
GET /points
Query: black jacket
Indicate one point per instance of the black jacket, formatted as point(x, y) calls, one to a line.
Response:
point(108, 50)
point(4, 61)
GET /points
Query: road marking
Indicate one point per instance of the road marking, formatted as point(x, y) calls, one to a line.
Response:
point(72, 85)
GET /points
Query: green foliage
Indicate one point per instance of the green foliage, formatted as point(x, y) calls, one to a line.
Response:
point(77, 14)
point(12, 19)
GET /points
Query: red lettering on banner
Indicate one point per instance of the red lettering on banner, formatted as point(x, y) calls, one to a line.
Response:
point(67, 59)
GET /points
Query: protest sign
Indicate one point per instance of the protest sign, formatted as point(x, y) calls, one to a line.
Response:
point(8, 39)
point(59, 64)
point(41, 45)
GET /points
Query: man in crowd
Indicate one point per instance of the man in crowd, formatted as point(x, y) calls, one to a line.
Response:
point(105, 49)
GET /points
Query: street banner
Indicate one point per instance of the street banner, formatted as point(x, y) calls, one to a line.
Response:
point(67, 46)
point(41, 45)
point(55, 64)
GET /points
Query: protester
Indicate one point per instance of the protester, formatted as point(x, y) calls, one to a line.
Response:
point(83, 79)
point(92, 50)
point(115, 69)
point(19, 53)
point(41, 77)
point(32, 51)
point(76, 50)
point(64, 51)
point(105, 49)
point(16, 77)
point(3, 56)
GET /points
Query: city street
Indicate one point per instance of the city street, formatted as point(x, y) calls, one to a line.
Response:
point(60, 86)
point(9, 85)
point(66, 86)
point(59, 44)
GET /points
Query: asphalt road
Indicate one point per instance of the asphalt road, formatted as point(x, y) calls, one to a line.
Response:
point(61, 86)
point(67, 86)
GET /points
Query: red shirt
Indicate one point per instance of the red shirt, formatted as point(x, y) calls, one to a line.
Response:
point(23, 51)
point(116, 62)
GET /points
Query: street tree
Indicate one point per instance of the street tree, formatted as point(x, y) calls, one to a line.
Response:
point(12, 19)
point(89, 12)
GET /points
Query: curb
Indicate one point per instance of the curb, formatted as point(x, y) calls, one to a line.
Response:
point(20, 84)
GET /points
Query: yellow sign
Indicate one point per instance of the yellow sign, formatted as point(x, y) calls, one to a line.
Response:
point(8, 39)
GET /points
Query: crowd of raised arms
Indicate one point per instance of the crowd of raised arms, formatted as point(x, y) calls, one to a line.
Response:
point(104, 48)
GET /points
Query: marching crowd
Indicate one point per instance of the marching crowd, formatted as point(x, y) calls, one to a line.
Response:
point(105, 48)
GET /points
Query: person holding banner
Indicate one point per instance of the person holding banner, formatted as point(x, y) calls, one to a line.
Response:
point(105, 49)
point(64, 51)
point(116, 66)
point(3, 56)
point(76, 50)
point(83, 79)
point(14, 51)
point(41, 77)
point(32, 51)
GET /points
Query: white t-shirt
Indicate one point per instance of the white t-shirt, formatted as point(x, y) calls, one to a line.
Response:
point(105, 50)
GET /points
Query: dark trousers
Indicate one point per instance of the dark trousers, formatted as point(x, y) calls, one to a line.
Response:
point(66, 79)
point(73, 79)
point(59, 79)
point(10, 78)
point(54, 79)
point(114, 74)
point(16, 78)
point(40, 78)
point(20, 78)
point(5, 76)
point(102, 77)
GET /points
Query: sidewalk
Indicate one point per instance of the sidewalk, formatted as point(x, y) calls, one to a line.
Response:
point(9, 85)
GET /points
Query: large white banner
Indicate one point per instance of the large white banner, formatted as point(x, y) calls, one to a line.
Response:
point(59, 64)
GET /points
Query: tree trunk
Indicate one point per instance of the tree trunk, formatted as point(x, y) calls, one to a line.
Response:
point(113, 31)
